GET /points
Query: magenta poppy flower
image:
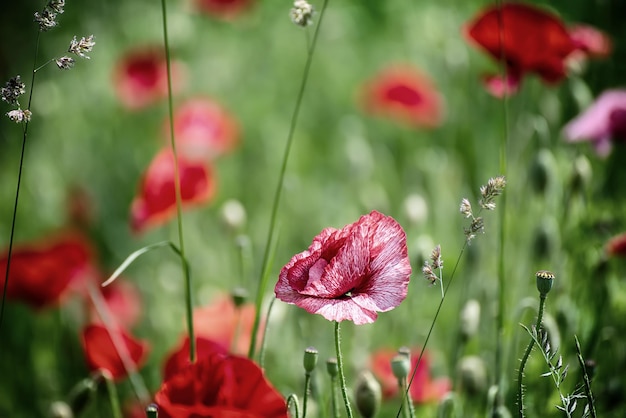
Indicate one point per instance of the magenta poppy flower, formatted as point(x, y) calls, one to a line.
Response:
point(219, 385)
point(603, 123)
point(223, 9)
point(351, 273)
point(528, 39)
point(424, 388)
point(203, 129)
point(616, 246)
point(43, 272)
point(101, 352)
point(404, 93)
point(156, 200)
point(140, 77)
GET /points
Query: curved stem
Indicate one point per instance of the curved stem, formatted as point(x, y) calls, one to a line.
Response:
point(279, 187)
point(520, 375)
point(19, 182)
point(293, 400)
point(342, 377)
point(179, 212)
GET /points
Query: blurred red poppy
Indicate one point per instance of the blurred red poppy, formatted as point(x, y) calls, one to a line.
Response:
point(223, 9)
point(528, 40)
point(179, 358)
point(351, 273)
point(222, 322)
point(405, 94)
point(616, 246)
point(124, 304)
point(43, 271)
point(591, 41)
point(140, 77)
point(220, 385)
point(156, 200)
point(101, 353)
point(203, 129)
point(424, 389)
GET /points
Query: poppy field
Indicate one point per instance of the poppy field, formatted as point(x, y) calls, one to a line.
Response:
point(247, 208)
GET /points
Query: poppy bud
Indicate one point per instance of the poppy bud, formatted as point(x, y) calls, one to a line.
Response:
point(368, 395)
point(239, 296)
point(233, 214)
point(544, 282)
point(542, 171)
point(83, 393)
point(400, 365)
point(60, 409)
point(332, 367)
point(310, 359)
point(473, 375)
point(470, 319)
point(590, 367)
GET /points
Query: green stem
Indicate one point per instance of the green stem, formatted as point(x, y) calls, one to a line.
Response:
point(406, 409)
point(342, 377)
point(334, 398)
point(281, 177)
point(520, 375)
point(112, 391)
point(293, 400)
point(264, 339)
point(587, 381)
point(179, 211)
point(19, 182)
point(307, 389)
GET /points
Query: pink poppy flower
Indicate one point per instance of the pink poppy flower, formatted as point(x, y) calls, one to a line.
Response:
point(101, 352)
point(124, 304)
point(203, 129)
point(351, 273)
point(221, 322)
point(223, 9)
point(179, 358)
point(424, 388)
point(528, 39)
point(140, 77)
point(404, 93)
point(603, 123)
point(43, 272)
point(616, 246)
point(156, 200)
point(591, 41)
point(220, 385)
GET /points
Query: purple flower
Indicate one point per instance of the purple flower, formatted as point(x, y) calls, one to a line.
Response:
point(603, 123)
point(351, 273)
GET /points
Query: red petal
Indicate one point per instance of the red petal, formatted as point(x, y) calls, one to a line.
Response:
point(404, 93)
point(616, 247)
point(41, 272)
point(223, 9)
point(101, 353)
point(500, 87)
point(527, 38)
point(179, 359)
point(156, 202)
point(124, 303)
point(593, 42)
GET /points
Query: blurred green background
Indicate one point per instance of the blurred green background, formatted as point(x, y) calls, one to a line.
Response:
point(344, 163)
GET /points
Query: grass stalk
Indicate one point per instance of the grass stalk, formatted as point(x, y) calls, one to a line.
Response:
point(281, 177)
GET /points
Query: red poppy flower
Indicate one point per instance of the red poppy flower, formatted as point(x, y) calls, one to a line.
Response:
point(616, 247)
point(423, 389)
point(179, 358)
point(526, 38)
point(203, 129)
point(221, 322)
point(405, 94)
point(42, 272)
point(156, 202)
point(219, 385)
point(140, 77)
point(101, 353)
point(223, 9)
point(124, 304)
point(351, 273)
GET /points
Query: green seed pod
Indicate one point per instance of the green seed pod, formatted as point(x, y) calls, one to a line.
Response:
point(473, 375)
point(400, 366)
point(60, 409)
point(331, 367)
point(368, 395)
point(239, 295)
point(310, 359)
point(544, 282)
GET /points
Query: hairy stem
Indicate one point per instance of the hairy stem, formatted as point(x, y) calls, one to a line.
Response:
point(342, 377)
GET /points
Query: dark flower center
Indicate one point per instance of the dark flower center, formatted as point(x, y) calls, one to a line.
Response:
point(617, 124)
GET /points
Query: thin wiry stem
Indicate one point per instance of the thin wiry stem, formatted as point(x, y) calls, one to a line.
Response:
point(281, 177)
point(179, 211)
point(113, 399)
point(520, 375)
point(342, 376)
point(19, 182)
point(586, 380)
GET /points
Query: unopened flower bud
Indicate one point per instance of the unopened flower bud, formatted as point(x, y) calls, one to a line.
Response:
point(400, 366)
point(544, 282)
point(60, 409)
point(239, 295)
point(331, 367)
point(233, 214)
point(473, 375)
point(542, 171)
point(310, 359)
point(470, 319)
point(368, 395)
point(82, 394)
point(590, 368)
